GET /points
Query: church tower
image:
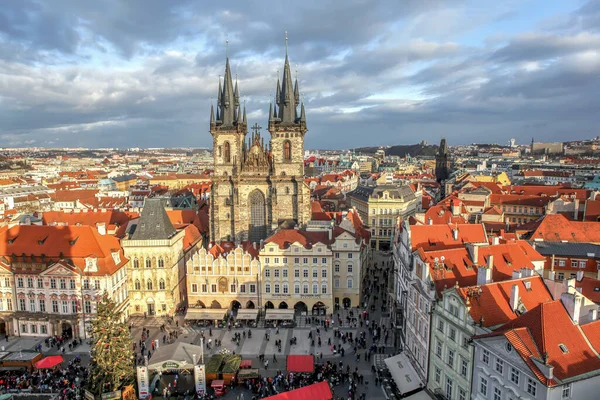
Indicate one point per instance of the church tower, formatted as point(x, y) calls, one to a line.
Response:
point(287, 125)
point(442, 162)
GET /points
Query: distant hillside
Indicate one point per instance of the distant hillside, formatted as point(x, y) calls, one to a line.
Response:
point(402, 150)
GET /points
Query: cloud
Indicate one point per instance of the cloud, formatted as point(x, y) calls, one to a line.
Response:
point(143, 73)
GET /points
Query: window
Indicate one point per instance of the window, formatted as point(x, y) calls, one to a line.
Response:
point(574, 263)
point(65, 307)
point(287, 150)
point(276, 273)
point(54, 306)
point(72, 284)
point(42, 304)
point(33, 328)
point(561, 276)
point(267, 259)
point(483, 386)
point(277, 288)
point(315, 273)
point(213, 288)
point(286, 289)
point(324, 288)
point(97, 284)
point(204, 288)
point(315, 288)
point(267, 273)
point(9, 305)
point(86, 284)
point(486, 357)
point(297, 288)
point(137, 285)
point(22, 305)
point(451, 358)
point(336, 283)
point(336, 268)
point(531, 386)
point(267, 288)
point(136, 263)
point(582, 264)
point(440, 326)
point(296, 273)
point(462, 395)
point(227, 151)
point(242, 288)
point(349, 268)
point(464, 367)
point(337, 255)
point(232, 288)
point(194, 288)
point(285, 273)
point(452, 334)
point(29, 282)
point(161, 284)
point(566, 391)
point(32, 305)
point(305, 273)
point(19, 282)
point(497, 393)
point(349, 255)
point(87, 307)
point(285, 260)
point(305, 288)
point(73, 307)
point(438, 350)
point(23, 328)
point(561, 263)
point(6, 282)
point(350, 283)
point(148, 263)
point(296, 259)
point(63, 284)
point(438, 375)
point(499, 366)
point(514, 375)
point(305, 260)
point(149, 284)
point(252, 288)
point(448, 388)
point(324, 273)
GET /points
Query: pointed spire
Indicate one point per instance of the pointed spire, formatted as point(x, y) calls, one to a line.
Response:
point(302, 113)
point(238, 114)
point(278, 91)
point(220, 91)
point(296, 93)
point(236, 91)
point(227, 102)
point(270, 111)
point(212, 114)
point(287, 108)
point(244, 118)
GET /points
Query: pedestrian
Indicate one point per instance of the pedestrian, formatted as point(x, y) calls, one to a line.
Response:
point(274, 358)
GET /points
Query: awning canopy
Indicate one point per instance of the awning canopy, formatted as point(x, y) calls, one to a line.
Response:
point(317, 391)
point(205, 313)
point(300, 363)
point(275, 315)
point(403, 373)
point(248, 314)
point(49, 362)
point(175, 356)
point(246, 364)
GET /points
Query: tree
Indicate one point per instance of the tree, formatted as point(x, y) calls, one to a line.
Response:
point(112, 365)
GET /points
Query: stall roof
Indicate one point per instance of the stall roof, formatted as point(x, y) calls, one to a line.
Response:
point(20, 356)
point(273, 314)
point(178, 353)
point(317, 391)
point(205, 313)
point(49, 362)
point(300, 363)
point(247, 313)
point(403, 373)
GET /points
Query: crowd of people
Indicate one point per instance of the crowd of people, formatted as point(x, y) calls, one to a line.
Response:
point(67, 381)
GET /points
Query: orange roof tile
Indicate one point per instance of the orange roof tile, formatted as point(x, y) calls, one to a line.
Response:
point(590, 288)
point(556, 228)
point(436, 237)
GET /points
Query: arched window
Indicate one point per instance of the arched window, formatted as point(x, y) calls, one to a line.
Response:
point(161, 263)
point(149, 284)
point(137, 285)
point(161, 284)
point(227, 152)
point(136, 263)
point(148, 263)
point(287, 150)
point(258, 220)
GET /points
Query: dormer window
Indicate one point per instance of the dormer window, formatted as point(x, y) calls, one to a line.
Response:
point(91, 264)
point(116, 257)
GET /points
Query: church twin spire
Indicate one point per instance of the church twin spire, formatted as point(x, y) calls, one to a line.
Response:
point(229, 111)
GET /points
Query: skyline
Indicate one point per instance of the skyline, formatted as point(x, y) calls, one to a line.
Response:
point(136, 74)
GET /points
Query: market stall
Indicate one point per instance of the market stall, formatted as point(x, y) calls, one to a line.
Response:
point(222, 367)
point(49, 362)
point(247, 316)
point(205, 316)
point(300, 363)
point(276, 317)
point(317, 391)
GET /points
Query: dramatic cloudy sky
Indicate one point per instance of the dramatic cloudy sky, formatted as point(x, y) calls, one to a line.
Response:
point(124, 73)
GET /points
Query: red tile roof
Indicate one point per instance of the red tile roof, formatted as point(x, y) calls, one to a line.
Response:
point(491, 302)
point(519, 200)
point(546, 190)
point(73, 195)
point(90, 218)
point(437, 237)
point(556, 228)
point(592, 210)
point(285, 237)
point(590, 288)
point(73, 242)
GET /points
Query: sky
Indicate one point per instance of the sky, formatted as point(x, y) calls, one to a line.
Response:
point(143, 73)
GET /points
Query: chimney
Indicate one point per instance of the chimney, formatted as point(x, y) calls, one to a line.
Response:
point(576, 210)
point(429, 221)
point(490, 263)
point(455, 233)
point(455, 208)
point(552, 275)
point(514, 297)
point(484, 275)
point(579, 275)
point(101, 226)
point(495, 241)
point(593, 315)
point(516, 274)
point(330, 233)
point(474, 253)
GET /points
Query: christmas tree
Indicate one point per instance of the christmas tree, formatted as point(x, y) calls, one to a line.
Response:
point(112, 365)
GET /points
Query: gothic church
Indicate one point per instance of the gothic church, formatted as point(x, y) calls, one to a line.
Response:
point(257, 187)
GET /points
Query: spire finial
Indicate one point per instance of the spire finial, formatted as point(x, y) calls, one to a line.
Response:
point(296, 71)
point(286, 43)
point(226, 45)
